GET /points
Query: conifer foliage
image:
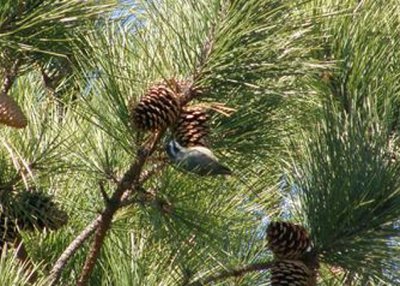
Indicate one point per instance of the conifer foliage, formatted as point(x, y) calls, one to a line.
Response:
point(300, 99)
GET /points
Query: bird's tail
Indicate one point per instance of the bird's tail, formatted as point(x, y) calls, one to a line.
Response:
point(225, 171)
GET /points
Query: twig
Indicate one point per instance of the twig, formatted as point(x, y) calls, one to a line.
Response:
point(191, 91)
point(149, 197)
point(232, 273)
point(218, 107)
point(103, 192)
point(143, 178)
point(131, 178)
point(205, 52)
point(71, 249)
point(149, 173)
point(144, 197)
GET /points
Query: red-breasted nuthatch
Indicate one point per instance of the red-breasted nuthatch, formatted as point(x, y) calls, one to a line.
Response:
point(199, 160)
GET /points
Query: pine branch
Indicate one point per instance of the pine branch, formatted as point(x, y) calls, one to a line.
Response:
point(149, 173)
point(131, 181)
point(146, 196)
point(60, 264)
point(236, 272)
point(131, 178)
point(146, 175)
point(88, 231)
point(204, 55)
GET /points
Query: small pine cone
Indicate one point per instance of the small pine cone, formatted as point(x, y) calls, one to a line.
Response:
point(191, 129)
point(158, 108)
point(36, 210)
point(293, 273)
point(10, 113)
point(287, 240)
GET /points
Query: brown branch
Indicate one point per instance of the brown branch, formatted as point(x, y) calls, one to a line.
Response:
point(81, 238)
point(236, 272)
point(130, 178)
point(103, 192)
point(58, 267)
point(148, 197)
point(84, 235)
point(205, 52)
point(101, 224)
point(126, 197)
point(149, 173)
point(142, 197)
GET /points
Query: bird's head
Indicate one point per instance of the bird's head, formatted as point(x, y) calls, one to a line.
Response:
point(173, 149)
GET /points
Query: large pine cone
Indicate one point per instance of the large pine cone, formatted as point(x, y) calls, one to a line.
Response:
point(158, 108)
point(287, 240)
point(191, 128)
point(293, 273)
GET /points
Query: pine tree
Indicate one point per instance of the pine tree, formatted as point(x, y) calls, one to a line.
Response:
point(299, 98)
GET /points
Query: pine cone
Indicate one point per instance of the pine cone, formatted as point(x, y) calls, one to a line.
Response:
point(191, 129)
point(158, 108)
point(36, 210)
point(10, 113)
point(293, 273)
point(287, 240)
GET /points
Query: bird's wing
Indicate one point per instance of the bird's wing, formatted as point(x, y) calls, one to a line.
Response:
point(205, 163)
point(205, 152)
point(197, 158)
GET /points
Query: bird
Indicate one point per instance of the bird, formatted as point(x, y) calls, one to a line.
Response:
point(197, 159)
